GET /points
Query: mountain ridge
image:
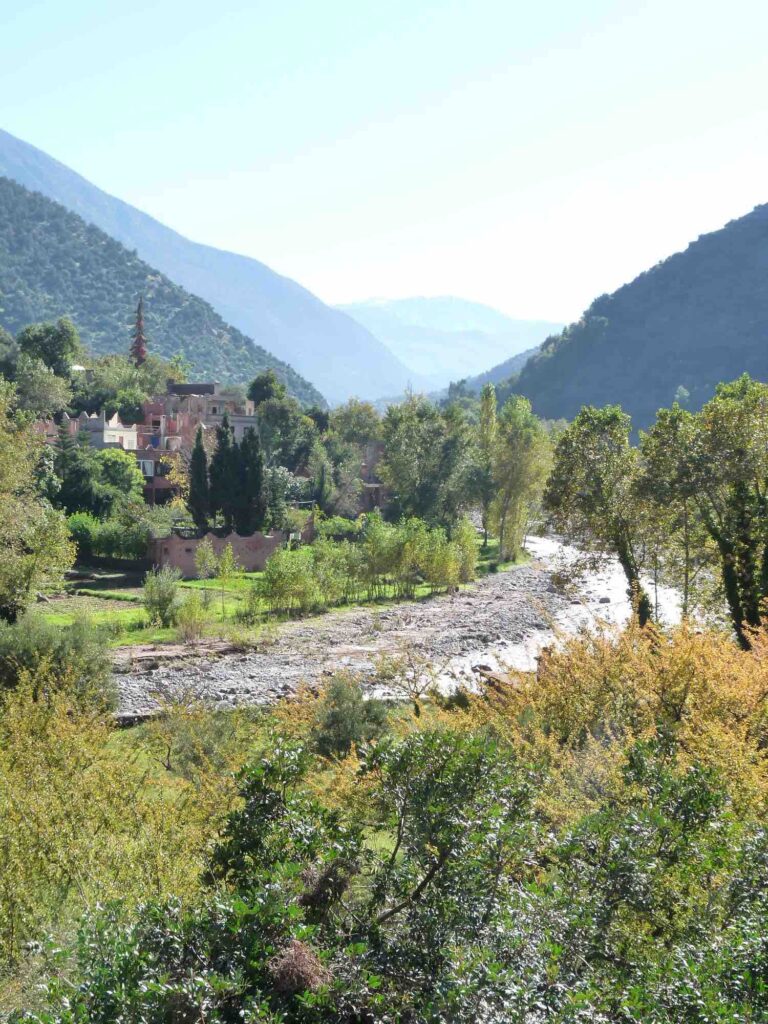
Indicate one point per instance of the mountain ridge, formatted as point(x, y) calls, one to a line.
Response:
point(53, 263)
point(696, 318)
point(329, 348)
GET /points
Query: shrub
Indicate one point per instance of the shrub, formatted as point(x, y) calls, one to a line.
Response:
point(465, 538)
point(289, 583)
point(250, 610)
point(73, 657)
point(345, 717)
point(191, 617)
point(161, 595)
point(84, 529)
point(441, 562)
point(329, 568)
point(338, 528)
point(120, 537)
point(206, 562)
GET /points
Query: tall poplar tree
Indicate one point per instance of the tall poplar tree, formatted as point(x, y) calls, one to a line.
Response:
point(485, 486)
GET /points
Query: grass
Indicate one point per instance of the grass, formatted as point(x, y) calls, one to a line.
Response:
point(488, 558)
point(113, 600)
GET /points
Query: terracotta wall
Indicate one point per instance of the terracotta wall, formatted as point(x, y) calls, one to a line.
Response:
point(251, 552)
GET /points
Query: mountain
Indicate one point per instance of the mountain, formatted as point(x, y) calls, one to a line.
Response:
point(53, 264)
point(502, 372)
point(697, 318)
point(325, 345)
point(447, 338)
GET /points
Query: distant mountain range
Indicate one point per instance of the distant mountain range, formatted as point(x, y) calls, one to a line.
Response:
point(326, 346)
point(53, 264)
point(677, 330)
point(447, 338)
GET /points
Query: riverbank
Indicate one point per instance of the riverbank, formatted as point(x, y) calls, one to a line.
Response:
point(504, 619)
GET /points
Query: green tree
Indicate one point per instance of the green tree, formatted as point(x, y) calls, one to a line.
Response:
point(57, 345)
point(276, 489)
point(356, 422)
point(716, 463)
point(287, 435)
point(265, 387)
point(75, 468)
point(485, 446)
point(119, 473)
point(521, 462)
point(224, 473)
point(35, 549)
point(38, 390)
point(199, 497)
point(426, 460)
point(250, 504)
point(592, 497)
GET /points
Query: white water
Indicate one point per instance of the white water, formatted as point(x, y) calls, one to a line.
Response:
point(587, 610)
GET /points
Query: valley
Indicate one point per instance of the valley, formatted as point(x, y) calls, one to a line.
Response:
point(497, 624)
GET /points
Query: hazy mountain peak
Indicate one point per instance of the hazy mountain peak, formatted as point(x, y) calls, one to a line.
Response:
point(446, 338)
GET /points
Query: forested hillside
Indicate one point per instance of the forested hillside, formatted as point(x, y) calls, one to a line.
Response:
point(697, 318)
point(53, 264)
point(335, 352)
point(500, 374)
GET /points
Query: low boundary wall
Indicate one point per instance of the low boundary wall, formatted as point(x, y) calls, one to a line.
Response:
point(251, 552)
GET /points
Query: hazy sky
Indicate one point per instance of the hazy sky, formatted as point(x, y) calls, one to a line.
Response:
point(527, 155)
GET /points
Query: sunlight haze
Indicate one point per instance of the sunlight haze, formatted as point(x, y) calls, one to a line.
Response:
point(527, 156)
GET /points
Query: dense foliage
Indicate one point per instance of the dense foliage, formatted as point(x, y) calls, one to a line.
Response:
point(54, 264)
point(686, 507)
point(588, 846)
point(385, 560)
point(677, 330)
point(35, 550)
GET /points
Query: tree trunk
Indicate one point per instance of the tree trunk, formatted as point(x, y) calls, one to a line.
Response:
point(637, 595)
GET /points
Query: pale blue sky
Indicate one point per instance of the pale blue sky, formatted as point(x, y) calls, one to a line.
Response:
point(526, 155)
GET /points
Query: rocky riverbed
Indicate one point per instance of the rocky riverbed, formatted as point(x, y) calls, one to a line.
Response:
point(503, 620)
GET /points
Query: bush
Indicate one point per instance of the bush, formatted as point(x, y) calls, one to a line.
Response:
point(84, 529)
point(161, 595)
point(250, 610)
point(338, 528)
point(465, 538)
point(191, 617)
point(345, 717)
point(441, 562)
point(73, 657)
point(289, 583)
point(121, 537)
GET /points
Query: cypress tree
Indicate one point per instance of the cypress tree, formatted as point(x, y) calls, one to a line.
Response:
point(139, 342)
point(73, 465)
point(250, 505)
point(224, 473)
point(199, 498)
